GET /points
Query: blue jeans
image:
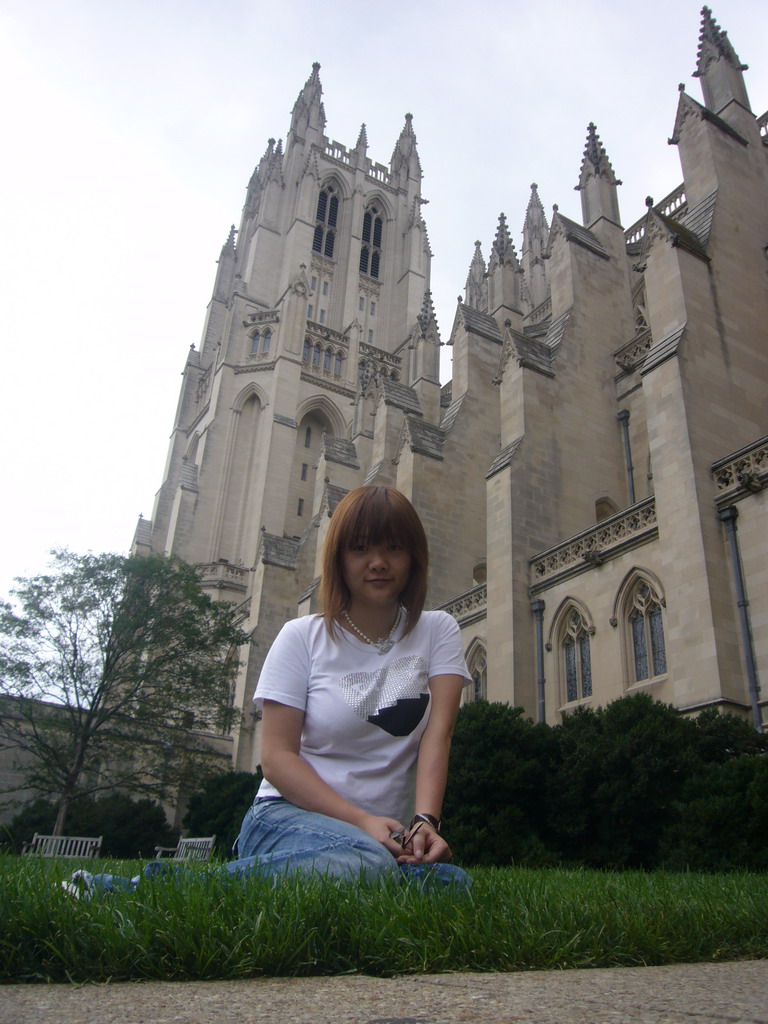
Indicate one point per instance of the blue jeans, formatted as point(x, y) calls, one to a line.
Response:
point(278, 839)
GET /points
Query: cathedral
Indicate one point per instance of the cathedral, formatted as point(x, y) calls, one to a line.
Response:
point(593, 479)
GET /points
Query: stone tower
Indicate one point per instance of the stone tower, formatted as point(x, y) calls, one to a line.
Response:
point(592, 480)
point(319, 338)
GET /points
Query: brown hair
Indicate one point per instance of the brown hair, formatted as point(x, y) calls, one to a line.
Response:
point(374, 515)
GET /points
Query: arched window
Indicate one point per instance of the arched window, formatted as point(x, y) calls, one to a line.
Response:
point(255, 338)
point(479, 673)
point(646, 630)
point(477, 663)
point(326, 219)
point(337, 364)
point(327, 360)
point(308, 438)
point(576, 658)
point(266, 341)
point(370, 253)
point(317, 354)
point(307, 350)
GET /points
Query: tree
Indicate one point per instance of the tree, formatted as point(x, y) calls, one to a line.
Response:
point(111, 668)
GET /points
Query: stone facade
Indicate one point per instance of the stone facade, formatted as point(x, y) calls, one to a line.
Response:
point(577, 477)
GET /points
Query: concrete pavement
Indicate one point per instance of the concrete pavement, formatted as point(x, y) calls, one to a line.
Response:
point(732, 993)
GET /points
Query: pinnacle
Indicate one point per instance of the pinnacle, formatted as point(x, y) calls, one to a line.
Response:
point(502, 244)
point(712, 37)
point(595, 151)
point(427, 314)
point(405, 147)
point(408, 127)
point(534, 200)
point(362, 139)
point(594, 154)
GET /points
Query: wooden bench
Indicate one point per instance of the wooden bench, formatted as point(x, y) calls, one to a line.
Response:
point(63, 846)
point(198, 848)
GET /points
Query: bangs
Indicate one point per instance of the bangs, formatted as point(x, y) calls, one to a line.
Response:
point(373, 515)
point(378, 520)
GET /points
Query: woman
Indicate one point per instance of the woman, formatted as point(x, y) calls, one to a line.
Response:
point(359, 706)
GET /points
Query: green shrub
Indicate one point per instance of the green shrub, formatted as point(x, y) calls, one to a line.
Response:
point(621, 771)
point(722, 818)
point(218, 808)
point(131, 828)
point(494, 810)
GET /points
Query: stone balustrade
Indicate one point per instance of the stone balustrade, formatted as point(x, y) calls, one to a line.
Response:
point(743, 472)
point(223, 576)
point(626, 529)
point(469, 606)
point(669, 205)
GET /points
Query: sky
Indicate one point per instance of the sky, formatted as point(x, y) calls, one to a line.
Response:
point(131, 128)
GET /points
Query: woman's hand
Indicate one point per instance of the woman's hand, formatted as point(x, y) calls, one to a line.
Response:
point(381, 830)
point(426, 847)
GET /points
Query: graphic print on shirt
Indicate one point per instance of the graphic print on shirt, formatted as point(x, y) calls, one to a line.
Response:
point(394, 698)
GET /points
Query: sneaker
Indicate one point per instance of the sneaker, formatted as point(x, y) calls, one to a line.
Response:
point(71, 889)
point(79, 886)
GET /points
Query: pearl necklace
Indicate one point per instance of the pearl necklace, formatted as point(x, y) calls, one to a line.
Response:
point(381, 645)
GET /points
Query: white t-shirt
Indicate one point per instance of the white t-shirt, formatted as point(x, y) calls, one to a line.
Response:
point(364, 713)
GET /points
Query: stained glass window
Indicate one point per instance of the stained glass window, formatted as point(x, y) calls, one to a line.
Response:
point(577, 663)
point(649, 655)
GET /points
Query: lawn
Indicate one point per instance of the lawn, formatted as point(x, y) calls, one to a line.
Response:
point(514, 919)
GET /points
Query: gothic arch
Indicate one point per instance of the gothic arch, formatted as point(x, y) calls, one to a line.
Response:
point(477, 663)
point(249, 391)
point(638, 612)
point(322, 406)
point(191, 453)
point(630, 578)
point(338, 183)
point(376, 196)
point(235, 504)
point(562, 611)
point(570, 639)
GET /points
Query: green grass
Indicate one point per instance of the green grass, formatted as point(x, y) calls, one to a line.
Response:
point(514, 919)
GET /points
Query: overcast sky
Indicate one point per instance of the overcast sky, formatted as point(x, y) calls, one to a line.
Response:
point(130, 131)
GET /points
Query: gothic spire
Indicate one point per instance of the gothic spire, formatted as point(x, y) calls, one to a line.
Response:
point(597, 182)
point(718, 67)
point(362, 138)
point(535, 243)
point(405, 153)
point(476, 287)
point(426, 317)
point(308, 111)
point(260, 172)
point(229, 245)
point(595, 162)
point(714, 44)
point(503, 249)
point(226, 264)
point(535, 227)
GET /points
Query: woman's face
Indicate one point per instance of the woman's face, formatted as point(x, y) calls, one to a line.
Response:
point(376, 574)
